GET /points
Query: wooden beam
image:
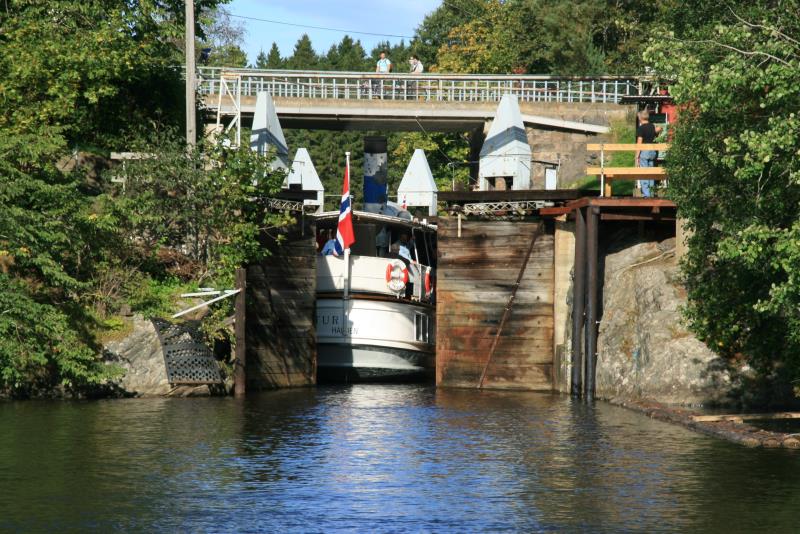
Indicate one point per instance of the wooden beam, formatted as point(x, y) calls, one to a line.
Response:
point(554, 212)
point(626, 147)
point(626, 217)
point(296, 195)
point(592, 286)
point(650, 172)
point(239, 375)
point(496, 196)
point(578, 304)
point(627, 202)
point(745, 417)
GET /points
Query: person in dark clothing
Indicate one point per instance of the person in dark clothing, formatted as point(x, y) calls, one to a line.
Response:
point(646, 133)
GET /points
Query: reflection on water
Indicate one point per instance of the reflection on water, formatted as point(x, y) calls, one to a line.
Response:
point(378, 457)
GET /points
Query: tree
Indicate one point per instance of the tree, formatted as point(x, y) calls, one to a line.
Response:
point(304, 57)
point(434, 31)
point(734, 170)
point(488, 44)
point(224, 37)
point(271, 61)
point(347, 55)
point(92, 69)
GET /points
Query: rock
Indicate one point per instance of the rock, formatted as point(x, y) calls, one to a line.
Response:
point(644, 349)
point(140, 355)
point(791, 443)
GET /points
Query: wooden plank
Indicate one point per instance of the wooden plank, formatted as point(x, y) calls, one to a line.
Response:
point(626, 217)
point(240, 332)
point(746, 417)
point(487, 233)
point(508, 344)
point(626, 202)
point(528, 377)
point(499, 196)
point(651, 172)
point(486, 294)
point(555, 211)
point(456, 313)
point(539, 273)
point(626, 147)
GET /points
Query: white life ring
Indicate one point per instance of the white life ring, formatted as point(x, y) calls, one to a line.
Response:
point(396, 275)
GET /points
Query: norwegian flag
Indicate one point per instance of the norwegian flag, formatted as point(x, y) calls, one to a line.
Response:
point(344, 231)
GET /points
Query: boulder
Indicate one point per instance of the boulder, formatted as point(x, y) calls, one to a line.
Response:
point(644, 349)
point(139, 354)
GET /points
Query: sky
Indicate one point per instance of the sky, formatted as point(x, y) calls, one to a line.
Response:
point(396, 17)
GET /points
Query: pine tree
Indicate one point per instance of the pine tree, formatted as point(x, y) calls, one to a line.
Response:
point(274, 59)
point(304, 56)
point(270, 61)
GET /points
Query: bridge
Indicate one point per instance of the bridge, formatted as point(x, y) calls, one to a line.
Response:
point(441, 102)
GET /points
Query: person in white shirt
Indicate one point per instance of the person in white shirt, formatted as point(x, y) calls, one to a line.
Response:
point(384, 66)
point(416, 68)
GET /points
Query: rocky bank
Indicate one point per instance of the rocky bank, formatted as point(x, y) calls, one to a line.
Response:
point(140, 355)
point(645, 352)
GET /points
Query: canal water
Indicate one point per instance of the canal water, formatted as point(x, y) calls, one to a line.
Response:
point(372, 458)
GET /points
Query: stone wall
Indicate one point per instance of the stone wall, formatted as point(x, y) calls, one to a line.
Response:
point(644, 350)
point(569, 148)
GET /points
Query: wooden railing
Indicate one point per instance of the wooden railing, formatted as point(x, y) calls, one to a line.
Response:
point(609, 174)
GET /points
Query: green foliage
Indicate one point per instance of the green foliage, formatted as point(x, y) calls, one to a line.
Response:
point(72, 74)
point(272, 60)
point(347, 55)
point(211, 204)
point(223, 36)
point(447, 153)
point(40, 346)
point(304, 57)
point(734, 169)
point(564, 37)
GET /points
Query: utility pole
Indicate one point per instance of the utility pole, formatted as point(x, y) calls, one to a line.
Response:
point(191, 127)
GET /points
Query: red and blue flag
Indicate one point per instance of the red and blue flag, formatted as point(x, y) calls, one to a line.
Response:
point(344, 231)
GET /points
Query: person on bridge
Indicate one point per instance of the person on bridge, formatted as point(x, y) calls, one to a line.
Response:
point(416, 68)
point(384, 66)
point(646, 133)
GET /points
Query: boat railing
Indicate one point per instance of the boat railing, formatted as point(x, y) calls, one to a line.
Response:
point(368, 274)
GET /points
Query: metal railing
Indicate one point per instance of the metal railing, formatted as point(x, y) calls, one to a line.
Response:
point(425, 87)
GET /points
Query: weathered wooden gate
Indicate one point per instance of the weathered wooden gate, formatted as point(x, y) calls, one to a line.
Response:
point(476, 273)
point(280, 338)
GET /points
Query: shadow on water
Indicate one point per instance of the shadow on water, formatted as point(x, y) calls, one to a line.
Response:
point(379, 457)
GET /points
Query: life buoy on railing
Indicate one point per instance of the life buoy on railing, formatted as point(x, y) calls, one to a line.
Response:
point(396, 275)
point(428, 284)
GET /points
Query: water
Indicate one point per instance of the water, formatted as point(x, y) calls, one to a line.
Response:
point(379, 458)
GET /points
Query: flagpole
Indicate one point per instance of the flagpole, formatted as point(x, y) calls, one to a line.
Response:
point(347, 250)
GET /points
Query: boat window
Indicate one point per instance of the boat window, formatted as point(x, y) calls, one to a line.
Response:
point(421, 327)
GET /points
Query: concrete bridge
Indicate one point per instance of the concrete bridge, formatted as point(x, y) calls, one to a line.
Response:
point(442, 102)
point(560, 114)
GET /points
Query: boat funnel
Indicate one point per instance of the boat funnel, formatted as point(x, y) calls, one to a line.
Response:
point(505, 160)
point(267, 132)
point(418, 188)
point(304, 176)
point(376, 174)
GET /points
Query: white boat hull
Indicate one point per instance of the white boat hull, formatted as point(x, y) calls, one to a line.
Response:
point(364, 338)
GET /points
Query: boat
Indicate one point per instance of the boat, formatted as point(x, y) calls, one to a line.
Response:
point(375, 316)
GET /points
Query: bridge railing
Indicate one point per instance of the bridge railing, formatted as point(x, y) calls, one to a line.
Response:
point(425, 87)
